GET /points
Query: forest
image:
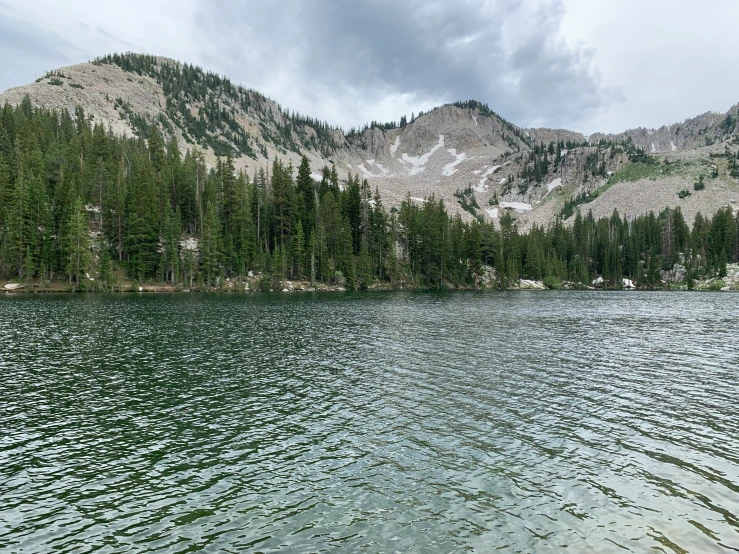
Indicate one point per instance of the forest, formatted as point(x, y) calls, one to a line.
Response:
point(79, 204)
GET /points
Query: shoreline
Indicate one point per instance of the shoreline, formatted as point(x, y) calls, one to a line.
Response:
point(245, 287)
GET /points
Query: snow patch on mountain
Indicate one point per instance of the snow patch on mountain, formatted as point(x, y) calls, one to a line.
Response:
point(451, 168)
point(553, 185)
point(417, 163)
point(518, 206)
point(366, 172)
point(382, 168)
point(394, 146)
point(481, 187)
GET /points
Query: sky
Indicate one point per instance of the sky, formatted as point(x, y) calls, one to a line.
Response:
point(584, 65)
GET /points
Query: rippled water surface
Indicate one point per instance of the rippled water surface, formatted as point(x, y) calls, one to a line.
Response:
point(375, 422)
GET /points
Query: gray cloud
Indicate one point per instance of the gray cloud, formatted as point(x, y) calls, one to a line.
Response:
point(537, 62)
point(28, 51)
point(507, 53)
point(36, 36)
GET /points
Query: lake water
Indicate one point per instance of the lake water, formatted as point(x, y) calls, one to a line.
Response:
point(378, 422)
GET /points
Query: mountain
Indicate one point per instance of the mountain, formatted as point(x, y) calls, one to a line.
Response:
point(464, 153)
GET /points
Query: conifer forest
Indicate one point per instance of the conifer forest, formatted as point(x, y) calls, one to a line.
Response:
point(81, 205)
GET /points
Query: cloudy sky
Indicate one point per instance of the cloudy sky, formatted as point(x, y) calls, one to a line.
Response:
point(587, 65)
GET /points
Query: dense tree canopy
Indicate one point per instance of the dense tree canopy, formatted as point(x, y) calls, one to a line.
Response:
point(75, 200)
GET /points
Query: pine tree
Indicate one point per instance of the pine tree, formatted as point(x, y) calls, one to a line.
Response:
point(346, 256)
point(170, 265)
point(533, 267)
point(210, 246)
point(188, 267)
point(511, 250)
point(105, 267)
point(25, 207)
point(244, 230)
point(351, 209)
point(334, 183)
point(474, 252)
point(364, 266)
point(299, 250)
point(283, 202)
point(722, 263)
point(307, 195)
point(78, 242)
point(142, 236)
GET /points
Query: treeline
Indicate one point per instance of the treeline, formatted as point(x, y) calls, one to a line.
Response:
point(77, 202)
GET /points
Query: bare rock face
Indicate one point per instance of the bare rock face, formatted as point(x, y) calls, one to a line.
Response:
point(703, 130)
point(373, 142)
point(732, 274)
point(554, 135)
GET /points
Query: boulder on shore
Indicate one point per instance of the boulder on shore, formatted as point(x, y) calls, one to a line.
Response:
point(677, 274)
point(526, 284)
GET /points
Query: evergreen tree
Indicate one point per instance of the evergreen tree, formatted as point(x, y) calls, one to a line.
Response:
point(299, 250)
point(105, 267)
point(307, 195)
point(722, 262)
point(211, 246)
point(78, 243)
point(364, 266)
point(351, 209)
point(142, 237)
point(170, 265)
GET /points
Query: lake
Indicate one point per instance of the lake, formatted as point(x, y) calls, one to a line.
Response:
point(374, 422)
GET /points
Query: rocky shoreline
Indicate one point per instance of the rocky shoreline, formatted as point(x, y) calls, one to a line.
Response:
point(674, 280)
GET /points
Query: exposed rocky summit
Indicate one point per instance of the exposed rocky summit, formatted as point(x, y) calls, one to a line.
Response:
point(704, 130)
point(478, 162)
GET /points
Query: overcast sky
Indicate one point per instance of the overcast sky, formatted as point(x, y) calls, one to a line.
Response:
point(586, 65)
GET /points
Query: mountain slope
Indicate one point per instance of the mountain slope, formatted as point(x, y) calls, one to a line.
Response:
point(466, 154)
point(128, 93)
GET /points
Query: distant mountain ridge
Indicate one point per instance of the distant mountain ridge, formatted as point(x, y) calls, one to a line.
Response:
point(703, 130)
point(465, 153)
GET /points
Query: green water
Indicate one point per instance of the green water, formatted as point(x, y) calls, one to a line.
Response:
point(385, 422)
